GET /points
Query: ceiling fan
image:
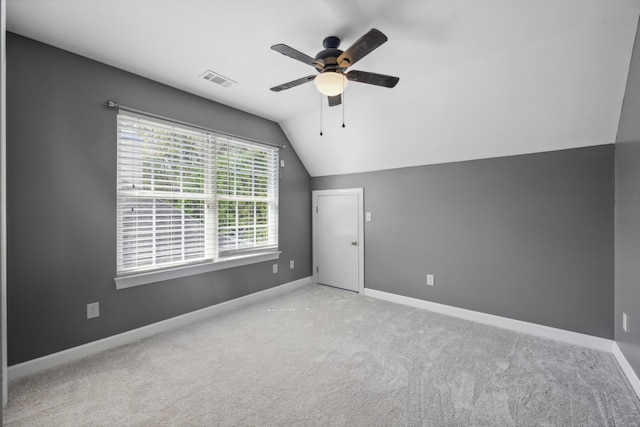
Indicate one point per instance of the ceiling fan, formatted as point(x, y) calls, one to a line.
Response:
point(332, 64)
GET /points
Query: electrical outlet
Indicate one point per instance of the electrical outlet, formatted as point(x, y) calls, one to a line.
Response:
point(625, 322)
point(93, 310)
point(431, 281)
point(368, 217)
point(291, 264)
point(275, 268)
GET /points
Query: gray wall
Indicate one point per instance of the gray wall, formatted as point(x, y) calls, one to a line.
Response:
point(627, 217)
point(61, 203)
point(3, 252)
point(527, 237)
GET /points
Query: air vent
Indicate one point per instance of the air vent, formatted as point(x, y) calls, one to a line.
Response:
point(217, 79)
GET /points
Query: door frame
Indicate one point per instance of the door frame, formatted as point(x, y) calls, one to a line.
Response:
point(340, 192)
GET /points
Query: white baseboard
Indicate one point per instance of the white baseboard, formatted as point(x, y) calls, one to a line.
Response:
point(627, 369)
point(576, 338)
point(76, 353)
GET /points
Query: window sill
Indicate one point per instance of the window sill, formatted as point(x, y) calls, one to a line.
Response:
point(175, 273)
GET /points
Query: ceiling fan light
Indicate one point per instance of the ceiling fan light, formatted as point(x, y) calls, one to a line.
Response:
point(331, 83)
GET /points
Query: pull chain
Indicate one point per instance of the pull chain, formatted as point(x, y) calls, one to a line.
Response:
point(343, 102)
point(320, 114)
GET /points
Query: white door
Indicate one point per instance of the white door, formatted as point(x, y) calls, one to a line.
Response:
point(338, 246)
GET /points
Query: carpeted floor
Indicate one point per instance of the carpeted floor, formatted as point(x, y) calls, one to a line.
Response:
point(325, 357)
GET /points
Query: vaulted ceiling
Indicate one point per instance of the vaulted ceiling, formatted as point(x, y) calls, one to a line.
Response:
point(478, 79)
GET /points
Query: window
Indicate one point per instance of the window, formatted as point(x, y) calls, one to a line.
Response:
point(188, 196)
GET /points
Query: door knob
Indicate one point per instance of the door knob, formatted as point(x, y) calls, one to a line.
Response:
point(354, 243)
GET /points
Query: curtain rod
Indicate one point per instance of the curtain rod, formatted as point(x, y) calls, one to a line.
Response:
point(116, 106)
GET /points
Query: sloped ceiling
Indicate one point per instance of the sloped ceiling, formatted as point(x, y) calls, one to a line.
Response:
point(478, 79)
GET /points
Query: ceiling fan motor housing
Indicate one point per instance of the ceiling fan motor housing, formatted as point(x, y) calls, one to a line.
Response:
point(329, 56)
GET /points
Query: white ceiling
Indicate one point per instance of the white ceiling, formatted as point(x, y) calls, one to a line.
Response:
point(478, 79)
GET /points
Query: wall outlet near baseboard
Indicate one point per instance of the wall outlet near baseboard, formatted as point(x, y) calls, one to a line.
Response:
point(93, 310)
point(431, 281)
point(275, 268)
point(625, 322)
point(291, 264)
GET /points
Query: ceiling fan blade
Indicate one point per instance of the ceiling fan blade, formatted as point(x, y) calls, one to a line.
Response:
point(372, 78)
point(335, 100)
point(364, 46)
point(293, 83)
point(297, 55)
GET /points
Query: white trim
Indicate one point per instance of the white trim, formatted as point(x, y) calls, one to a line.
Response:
point(76, 353)
point(189, 270)
point(337, 192)
point(575, 338)
point(627, 369)
point(3, 198)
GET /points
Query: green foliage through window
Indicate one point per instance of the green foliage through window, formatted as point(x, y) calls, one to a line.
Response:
point(186, 195)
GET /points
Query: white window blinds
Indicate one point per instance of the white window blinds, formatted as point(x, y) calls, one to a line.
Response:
point(188, 196)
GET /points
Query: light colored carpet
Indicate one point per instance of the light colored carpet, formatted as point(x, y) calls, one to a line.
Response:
point(321, 356)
